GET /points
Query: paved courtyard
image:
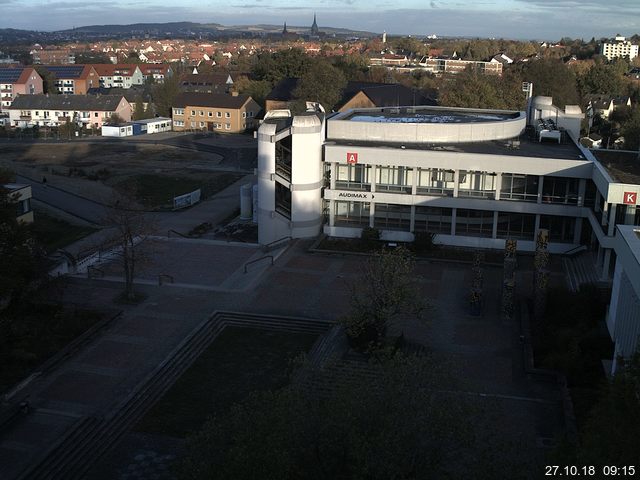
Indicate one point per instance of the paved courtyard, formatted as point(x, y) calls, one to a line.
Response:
point(209, 276)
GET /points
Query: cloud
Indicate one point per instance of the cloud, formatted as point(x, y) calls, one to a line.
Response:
point(433, 4)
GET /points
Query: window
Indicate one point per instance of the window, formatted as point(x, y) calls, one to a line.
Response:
point(434, 181)
point(201, 113)
point(433, 220)
point(227, 126)
point(353, 177)
point(560, 190)
point(519, 187)
point(394, 179)
point(392, 217)
point(227, 115)
point(476, 184)
point(244, 114)
point(193, 124)
point(516, 225)
point(251, 114)
point(476, 223)
point(178, 123)
point(210, 114)
point(219, 114)
point(350, 214)
point(201, 124)
point(561, 229)
point(95, 114)
point(178, 111)
point(283, 200)
point(193, 113)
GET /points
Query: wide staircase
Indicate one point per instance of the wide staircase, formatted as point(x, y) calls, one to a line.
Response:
point(580, 270)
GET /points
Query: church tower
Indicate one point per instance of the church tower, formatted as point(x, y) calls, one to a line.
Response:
point(284, 30)
point(314, 26)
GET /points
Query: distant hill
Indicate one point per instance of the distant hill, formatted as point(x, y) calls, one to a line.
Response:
point(172, 29)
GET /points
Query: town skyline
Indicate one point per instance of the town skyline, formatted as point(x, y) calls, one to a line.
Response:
point(516, 19)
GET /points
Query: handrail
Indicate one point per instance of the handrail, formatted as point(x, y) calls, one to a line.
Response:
point(176, 232)
point(164, 276)
point(257, 260)
point(266, 246)
point(575, 249)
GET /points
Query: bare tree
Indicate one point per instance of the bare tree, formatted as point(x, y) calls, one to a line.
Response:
point(131, 226)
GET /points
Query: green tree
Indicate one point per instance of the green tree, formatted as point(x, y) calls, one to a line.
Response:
point(139, 112)
point(164, 95)
point(631, 131)
point(552, 78)
point(603, 79)
point(23, 261)
point(257, 89)
point(91, 57)
point(48, 80)
point(285, 63)
point(472, 89)
point(384, 290)
point(394, 423)
point(322, 83)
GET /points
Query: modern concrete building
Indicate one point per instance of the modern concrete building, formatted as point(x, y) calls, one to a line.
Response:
point(474, 178)
point(619, 47)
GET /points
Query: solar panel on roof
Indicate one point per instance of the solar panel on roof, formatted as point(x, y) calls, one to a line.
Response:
point(10, 75)
point(66, 71)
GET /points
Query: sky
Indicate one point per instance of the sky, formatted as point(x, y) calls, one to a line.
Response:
point(516, 19)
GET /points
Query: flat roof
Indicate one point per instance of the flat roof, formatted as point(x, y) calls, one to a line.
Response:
point(518, 147)
point(426, 115)
point(622, 166)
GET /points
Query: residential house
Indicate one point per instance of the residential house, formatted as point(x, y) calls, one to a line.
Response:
point(53, 56)
point(52, 110)
point(355, 95)
point(119, 75)
point(599, 105)
point(214, 112)
point(74, 79)
point(619, 47)
point(207, 83)
point(155, 72)
point(16, 81)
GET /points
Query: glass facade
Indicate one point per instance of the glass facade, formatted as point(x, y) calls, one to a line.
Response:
point(351, 214)
point(434, 181)
point(477, 184)
point(433, 220)
point(560, 190)
point(519, 187)
point(394, 179)
point(516, 225)
point(561, 229)
point(475, 223)
point(353, 177)
point(392, 217)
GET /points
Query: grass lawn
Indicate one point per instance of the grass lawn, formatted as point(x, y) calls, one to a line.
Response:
point(30, 334)
point(158, 191)
point(53, 233)
point(238, 362)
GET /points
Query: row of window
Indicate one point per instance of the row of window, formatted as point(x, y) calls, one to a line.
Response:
point(434, 181)
point(201, 113)
point(475, 223)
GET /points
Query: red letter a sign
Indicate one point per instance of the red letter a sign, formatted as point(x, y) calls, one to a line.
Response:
point(352, 157)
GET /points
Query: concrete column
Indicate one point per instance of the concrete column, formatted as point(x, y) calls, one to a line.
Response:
point(332, 211)
point(612, 219)
point(412, 224)
point(599, 255)
point(577, 231)
point(414, 185)
point(454, 211)
point(494, 232)
point(372, 212)
point(540, 185)
point(605, 214)
point(334, 175)
point(456, 179)
point(373, 171)
point(582, 188)
point(630, 215)
point(596, 207)
point(605, 265)
point(536, 227)
point(498, 186)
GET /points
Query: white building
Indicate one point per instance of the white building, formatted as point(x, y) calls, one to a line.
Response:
point(154, 125)
point(474, 178)
point(619, 47)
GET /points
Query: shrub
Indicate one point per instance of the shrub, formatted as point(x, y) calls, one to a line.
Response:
point(369, 237)
point(423, 242)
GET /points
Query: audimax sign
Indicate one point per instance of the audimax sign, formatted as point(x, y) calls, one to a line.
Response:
point(364, 196)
